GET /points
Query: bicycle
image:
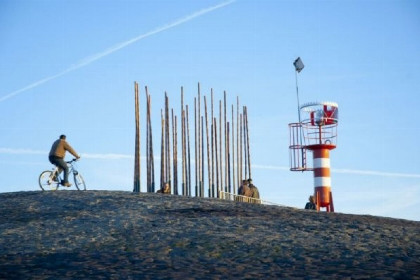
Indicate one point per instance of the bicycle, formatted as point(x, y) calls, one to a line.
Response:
point(50, 180)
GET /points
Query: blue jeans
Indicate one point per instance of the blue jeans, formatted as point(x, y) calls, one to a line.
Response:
point(60, 163)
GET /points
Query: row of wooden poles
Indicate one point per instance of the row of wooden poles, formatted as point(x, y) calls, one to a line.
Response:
point(220, 153)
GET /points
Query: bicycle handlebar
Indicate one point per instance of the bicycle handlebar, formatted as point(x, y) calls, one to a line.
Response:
point(73, 160)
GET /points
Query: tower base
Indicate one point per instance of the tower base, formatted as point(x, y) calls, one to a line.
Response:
point(329, 207)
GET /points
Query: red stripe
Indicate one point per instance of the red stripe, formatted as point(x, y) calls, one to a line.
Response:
point(322, 172)
point(321, 153)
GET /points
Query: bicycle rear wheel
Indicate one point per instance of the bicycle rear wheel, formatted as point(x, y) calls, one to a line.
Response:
point(79, 182)
point(47, 182)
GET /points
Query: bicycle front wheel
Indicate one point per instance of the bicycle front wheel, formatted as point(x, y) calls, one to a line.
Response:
point(47, 182)
point(79, 182)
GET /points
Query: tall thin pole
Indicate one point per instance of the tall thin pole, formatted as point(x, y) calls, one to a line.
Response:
point(297, 95)
point(229, 186)
point(220, 145)
point(174, 148)
point(226, 145)
point(200, 179)
point(241, 146)
point(216, 157)
point(189, 154)
point(212, 147)
point(136, 185)
point(208, 148)
point(148, 178)
point(202, 157)
point(162, 153)
point(300, 122)
point(152, 161)
point(237, 142)
point(247, 142)
point(184, 166)
point(168, 146)
point(195, 146)
point(233, 152)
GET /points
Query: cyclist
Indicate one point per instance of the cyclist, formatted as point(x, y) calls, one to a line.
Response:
point(57, 154)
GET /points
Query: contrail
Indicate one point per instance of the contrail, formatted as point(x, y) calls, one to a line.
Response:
point(93, 58)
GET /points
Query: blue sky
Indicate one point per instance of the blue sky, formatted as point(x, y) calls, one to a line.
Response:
point(69, 67)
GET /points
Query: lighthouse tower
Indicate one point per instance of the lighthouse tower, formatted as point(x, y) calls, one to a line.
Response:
point(316, 133)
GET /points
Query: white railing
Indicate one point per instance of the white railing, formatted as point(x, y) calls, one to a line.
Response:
point(242, 198)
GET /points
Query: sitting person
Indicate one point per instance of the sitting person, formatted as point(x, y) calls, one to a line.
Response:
point(254, 192)
point(311, 205)
point(166, 189)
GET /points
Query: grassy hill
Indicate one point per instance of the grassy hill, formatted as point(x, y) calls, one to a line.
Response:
point(122, 235)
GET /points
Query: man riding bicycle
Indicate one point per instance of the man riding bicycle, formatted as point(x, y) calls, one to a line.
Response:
point(57, 154)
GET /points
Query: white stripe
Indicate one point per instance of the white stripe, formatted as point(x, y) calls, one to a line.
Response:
point(322, 182)
point(321, 163)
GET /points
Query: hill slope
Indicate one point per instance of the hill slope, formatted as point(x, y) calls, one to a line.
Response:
point(123, 235)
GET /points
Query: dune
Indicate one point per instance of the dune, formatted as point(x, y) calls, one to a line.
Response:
point(124, 235)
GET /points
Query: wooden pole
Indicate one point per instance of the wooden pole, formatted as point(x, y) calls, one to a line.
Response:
point(162, 152)
point(148, 177)
point(212, 147)
point(184, 192)
point(238, 168)
point(225, 144)
point(202, 158)
point(199, 141)
point(247, 142)
point(228, 157)
point(174, 155)
point(189, 155)
point(136, 184)
point(152, 161)
point(195, 146)
point(233, 152)
point(168, 141)
point(220, 146)
point(208, 148)
point(216, 157)
point(241, 148)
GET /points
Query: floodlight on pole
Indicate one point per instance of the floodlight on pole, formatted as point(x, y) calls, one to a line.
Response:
point(298, 67)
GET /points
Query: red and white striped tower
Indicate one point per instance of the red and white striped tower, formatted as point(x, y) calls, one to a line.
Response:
point(317, 132)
